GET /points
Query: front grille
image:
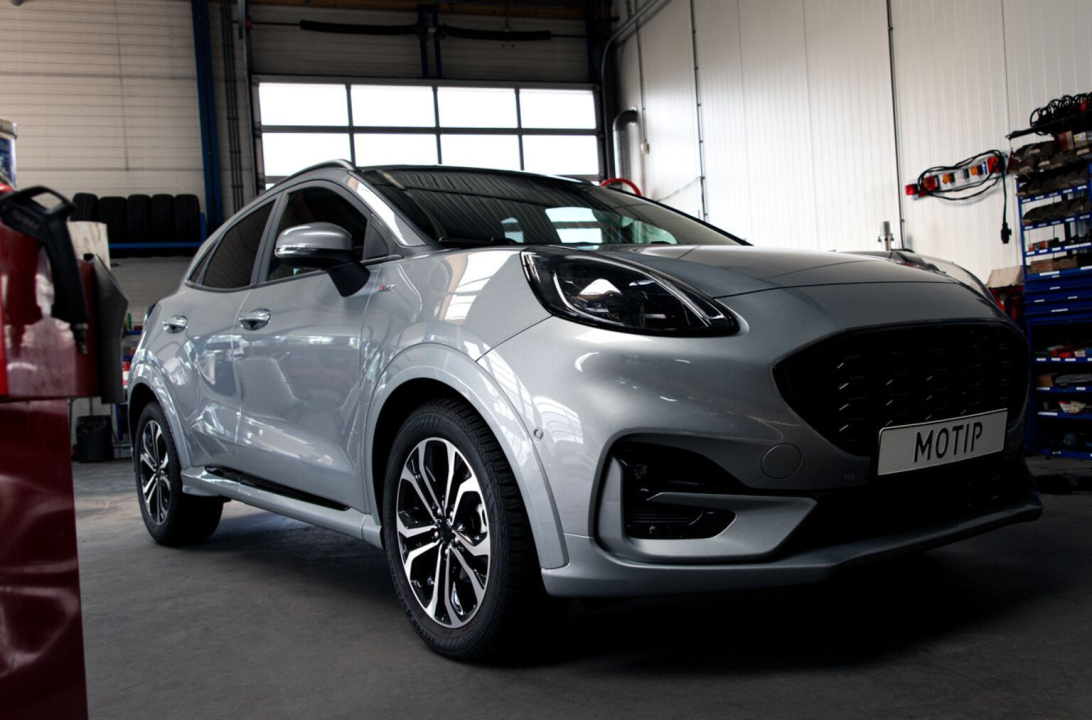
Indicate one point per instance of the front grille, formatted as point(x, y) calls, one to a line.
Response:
point(852, 385)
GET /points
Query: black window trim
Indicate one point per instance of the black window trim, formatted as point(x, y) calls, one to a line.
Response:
point(275, 202)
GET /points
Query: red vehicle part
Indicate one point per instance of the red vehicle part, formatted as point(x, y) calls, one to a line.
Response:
point(41, 645)
point(624, 181)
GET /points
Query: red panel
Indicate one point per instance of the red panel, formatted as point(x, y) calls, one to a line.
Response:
point(41, 635)
point(39, 358)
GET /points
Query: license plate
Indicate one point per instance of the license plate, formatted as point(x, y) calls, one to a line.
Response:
point(912, 447)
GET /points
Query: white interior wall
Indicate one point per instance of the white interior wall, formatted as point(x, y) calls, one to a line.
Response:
point(785, 125)
point(104, 94)
point(670, 119)
point(798, 118)
point(948, 111)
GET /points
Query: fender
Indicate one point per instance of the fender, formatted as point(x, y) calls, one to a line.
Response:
point(144, 373)
point(432, 361)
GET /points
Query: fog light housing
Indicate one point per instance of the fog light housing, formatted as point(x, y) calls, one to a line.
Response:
point(650, 472)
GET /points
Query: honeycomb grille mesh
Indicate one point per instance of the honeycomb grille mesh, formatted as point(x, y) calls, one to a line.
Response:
point(851, 386)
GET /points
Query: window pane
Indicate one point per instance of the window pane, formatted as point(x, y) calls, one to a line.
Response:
point(390, 105)
point(285, 153)
point(576, 225)
point(302, 104)
point(561, 155)
point(233, 262)
point(500, 152)
point(567, 109)
point(384, 149)
point(477, 107)
point(318, 205)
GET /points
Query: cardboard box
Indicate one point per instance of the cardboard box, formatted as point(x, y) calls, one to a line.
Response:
point(1006, 277)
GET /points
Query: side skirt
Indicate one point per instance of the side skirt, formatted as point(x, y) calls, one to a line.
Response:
point(348, 521)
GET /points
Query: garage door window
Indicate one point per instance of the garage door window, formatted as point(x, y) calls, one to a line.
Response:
point(546, 130)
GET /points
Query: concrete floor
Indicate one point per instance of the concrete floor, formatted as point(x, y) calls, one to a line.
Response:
point(276, 619)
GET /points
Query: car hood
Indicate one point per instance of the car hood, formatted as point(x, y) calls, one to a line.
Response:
point(723, 271)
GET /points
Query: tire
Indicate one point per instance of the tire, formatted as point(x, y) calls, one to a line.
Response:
point(138, 219)
point(171, 517)
point(87, 207)
point(162, 219)
point(187, 218)
point(113, 211)
point(513, 606)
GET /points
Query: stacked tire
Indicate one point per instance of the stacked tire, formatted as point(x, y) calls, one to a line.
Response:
point(142, 220)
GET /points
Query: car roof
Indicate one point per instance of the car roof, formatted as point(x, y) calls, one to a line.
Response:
point(349, 167)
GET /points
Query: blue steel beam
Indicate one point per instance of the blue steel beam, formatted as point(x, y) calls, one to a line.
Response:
point(206, 97)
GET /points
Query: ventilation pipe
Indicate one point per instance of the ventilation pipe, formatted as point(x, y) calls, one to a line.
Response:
point(624, 119)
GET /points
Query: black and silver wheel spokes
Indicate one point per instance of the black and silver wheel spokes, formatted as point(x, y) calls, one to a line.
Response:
point(154, 461)
point(443, 532)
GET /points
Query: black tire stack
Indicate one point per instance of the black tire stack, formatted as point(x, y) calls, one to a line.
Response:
point(114, 213)
point(187, 218)
point(141, 219)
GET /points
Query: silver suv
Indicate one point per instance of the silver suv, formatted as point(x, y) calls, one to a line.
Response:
point(523, 387)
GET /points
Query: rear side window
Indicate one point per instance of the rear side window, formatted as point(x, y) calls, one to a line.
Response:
point(233, 259)
point(316, 204)
point(195, 276)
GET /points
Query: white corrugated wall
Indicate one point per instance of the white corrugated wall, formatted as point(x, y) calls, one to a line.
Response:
point(795, 95)
point(104, 94)
point(798, 118)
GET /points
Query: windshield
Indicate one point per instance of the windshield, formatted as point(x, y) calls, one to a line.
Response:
point(481, 206)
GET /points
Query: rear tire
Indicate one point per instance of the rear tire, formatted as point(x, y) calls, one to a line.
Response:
point(171, 516)
point(475, 509)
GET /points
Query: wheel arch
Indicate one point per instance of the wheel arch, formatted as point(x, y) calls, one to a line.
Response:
point(428, 371)
point(145, 387)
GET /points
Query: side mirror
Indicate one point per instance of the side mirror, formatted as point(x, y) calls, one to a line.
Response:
point(319, 245)
point(323, 246)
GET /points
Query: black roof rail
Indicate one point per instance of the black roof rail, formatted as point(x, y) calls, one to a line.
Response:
point(344, 164)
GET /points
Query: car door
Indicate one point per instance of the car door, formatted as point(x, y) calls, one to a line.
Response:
point(195, 346)
point(298, 361)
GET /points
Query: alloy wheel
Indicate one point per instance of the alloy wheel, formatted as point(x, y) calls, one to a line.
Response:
point(155, 460)
point(443, 532)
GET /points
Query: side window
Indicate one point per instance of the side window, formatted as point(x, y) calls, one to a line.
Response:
point(317, 204)
point(195, 276)
point(233, 259)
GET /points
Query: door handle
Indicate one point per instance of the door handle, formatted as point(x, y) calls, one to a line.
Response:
point(175, 324)
point(254, 319)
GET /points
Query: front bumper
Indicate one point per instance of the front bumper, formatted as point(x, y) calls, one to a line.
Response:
point(592, 572)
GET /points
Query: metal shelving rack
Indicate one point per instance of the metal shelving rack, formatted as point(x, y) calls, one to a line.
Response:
point(1053, 298)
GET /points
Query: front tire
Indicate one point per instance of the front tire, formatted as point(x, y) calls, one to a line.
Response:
point(171, 517)
point(457, 537)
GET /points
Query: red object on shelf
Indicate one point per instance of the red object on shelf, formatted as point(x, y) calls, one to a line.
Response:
point(911, 190)
point(993, 164)
point(41, 644)
point(624, 181)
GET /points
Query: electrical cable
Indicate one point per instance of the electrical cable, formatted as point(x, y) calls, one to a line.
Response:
point(1066, 106)
point(981, 186)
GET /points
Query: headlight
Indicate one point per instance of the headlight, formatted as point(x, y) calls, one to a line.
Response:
point(616, 295)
